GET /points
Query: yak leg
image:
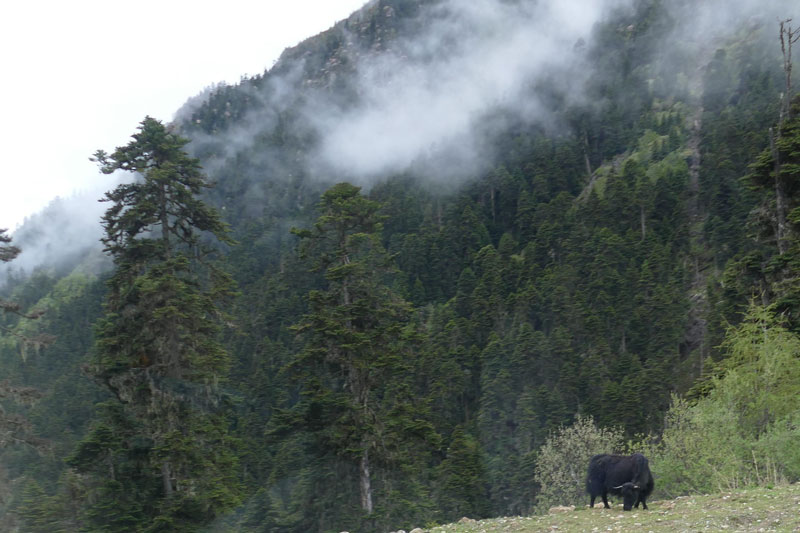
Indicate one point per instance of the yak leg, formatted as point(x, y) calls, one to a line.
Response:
point(605, 500)
point(642, 499)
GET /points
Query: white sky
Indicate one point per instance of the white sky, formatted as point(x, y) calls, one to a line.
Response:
point(79, 76)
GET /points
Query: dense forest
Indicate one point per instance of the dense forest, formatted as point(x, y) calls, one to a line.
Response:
point(269, 342)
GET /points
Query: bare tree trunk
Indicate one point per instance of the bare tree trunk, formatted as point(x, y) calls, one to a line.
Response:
point(164, 218)
point(586, 154)
point(643, 222)
point(166, 478)
point(788, 37)
point(366, 486)
point(112, 474)
point(780, 193)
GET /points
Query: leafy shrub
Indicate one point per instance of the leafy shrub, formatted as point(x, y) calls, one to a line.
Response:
point(745, 430)
point(701, 451)
point(563, 460)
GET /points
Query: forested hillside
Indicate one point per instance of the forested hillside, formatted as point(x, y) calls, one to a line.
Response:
point(393, 296)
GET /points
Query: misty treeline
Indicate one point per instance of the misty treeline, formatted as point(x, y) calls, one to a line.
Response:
point(301, 349)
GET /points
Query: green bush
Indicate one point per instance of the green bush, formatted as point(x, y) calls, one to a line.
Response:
point(563, 459)
point(745, 430)
point(701, 451)
point(777, 454)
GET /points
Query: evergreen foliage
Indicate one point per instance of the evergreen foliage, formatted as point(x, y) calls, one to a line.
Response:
point(7, 250)
point(158, 456)
point(14, 428)
point(739, 434)
point(356, 370)
point(776, 175)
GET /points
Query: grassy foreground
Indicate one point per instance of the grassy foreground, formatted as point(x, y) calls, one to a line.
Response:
point(758, 509)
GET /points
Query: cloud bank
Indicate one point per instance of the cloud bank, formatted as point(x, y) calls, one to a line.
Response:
point(64, 234)
point(424, 99)
point(420, 100)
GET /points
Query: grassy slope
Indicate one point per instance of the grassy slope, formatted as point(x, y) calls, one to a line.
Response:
point(759, 509)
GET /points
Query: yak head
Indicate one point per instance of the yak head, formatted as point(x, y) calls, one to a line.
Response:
point(630, 494)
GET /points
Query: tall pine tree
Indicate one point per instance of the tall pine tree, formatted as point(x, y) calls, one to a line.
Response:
point(159, 456)
point(356, 365)
point(15, 429)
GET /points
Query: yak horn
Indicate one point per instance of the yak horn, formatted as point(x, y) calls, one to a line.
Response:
point(636, 486)
point(617, 488)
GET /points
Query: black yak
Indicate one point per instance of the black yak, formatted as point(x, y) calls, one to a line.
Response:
point(624, 475)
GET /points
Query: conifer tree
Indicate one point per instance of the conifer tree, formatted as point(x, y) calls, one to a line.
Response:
point(777, 168)
point(461, 487)
point(159, 455)
point(15, 429)
point(7, 250)
point(354, 363)
point(7, 253)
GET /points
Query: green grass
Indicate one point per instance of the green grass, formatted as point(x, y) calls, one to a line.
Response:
point(757, 509)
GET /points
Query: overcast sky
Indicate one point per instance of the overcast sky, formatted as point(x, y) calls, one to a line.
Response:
point(79, 76)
